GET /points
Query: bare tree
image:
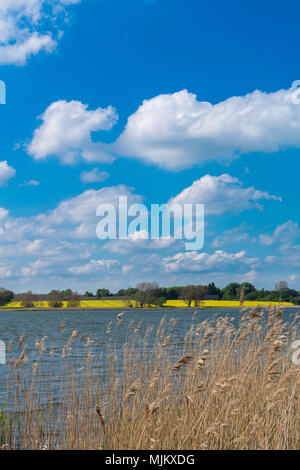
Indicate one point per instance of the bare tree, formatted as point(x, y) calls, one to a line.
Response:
point(28, 300)
point(143, 296)
point(199, 294)
point(55, 299)
point(281, 286)
point(188, 294)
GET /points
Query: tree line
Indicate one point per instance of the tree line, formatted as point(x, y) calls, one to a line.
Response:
point(150, 293)
point(147, 293)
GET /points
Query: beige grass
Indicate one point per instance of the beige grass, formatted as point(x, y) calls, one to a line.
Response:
point(222, 389)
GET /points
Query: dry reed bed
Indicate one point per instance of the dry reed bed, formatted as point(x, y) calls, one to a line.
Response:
point(223, 388)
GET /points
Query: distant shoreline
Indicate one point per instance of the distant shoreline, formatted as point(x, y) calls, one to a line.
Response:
point(80, 309)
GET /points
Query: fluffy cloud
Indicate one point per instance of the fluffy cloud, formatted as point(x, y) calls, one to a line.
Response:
point(270, 259)
point(194, 261)
point(6, 173)
point(94, 176)
point(94, 266)
point(66, 132)
point(234, 235)
point(288, 256)
point(250, 276)
point(78, 215)
point(222, 194)
point(74, 218)
point(18, 53)
point(177, 130)
point(5, 272)
point(140, 241)
point(60, 247)
point(284, 234)
point(60, 243)
point(23, 29)
point(283, 246)
point(3, 213)
point(292, 278)
point(30, 183)
point(35, 268)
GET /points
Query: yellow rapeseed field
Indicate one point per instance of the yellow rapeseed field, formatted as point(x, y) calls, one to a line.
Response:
point(123, 304)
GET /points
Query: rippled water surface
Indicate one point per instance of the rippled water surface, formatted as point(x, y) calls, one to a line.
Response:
point(35, 325)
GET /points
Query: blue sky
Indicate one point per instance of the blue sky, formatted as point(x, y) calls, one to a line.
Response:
point(148, 99)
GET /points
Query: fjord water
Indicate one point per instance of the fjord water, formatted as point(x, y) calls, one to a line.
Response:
point(93, 324)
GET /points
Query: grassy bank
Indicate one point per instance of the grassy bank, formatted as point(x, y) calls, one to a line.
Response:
point(223, 388)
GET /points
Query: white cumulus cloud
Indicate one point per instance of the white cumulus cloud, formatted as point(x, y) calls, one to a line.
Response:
point(66, 132)
point(233, 235)
point(23, 30)
point(284, 234)
point(94, 266)
point(73, 218)
point(5, 272)
point(6, 172)
point(176, 130)
point(222, 194)
point(140, 242)
point(60, 243)
point(193, 261)
point(94, 176)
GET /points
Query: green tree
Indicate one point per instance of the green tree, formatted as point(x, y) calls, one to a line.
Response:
point(102, 293)
point(67, 293)
point(6, 296)
point(173, 293)
point(249, 291)
point(231, 291)
point(213, 290)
